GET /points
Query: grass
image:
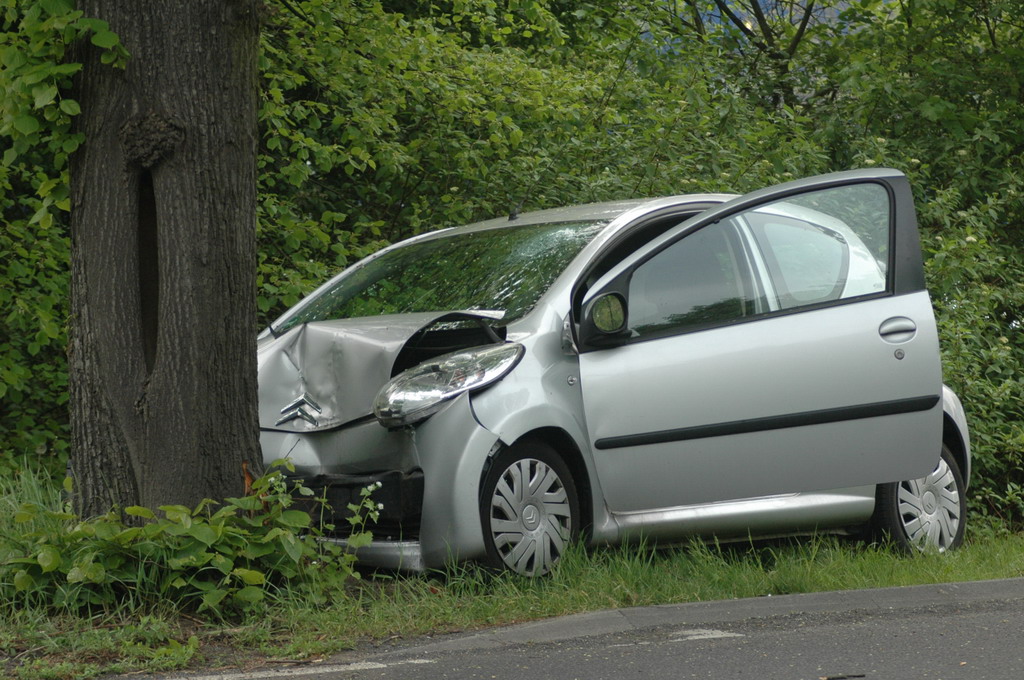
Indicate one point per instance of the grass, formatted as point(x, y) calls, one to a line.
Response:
point(316, 621)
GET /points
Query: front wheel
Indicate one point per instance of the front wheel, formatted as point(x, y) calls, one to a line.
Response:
point(528, 508)
point(926, 514)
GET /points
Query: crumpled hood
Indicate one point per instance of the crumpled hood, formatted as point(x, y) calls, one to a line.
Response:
point(334, 366)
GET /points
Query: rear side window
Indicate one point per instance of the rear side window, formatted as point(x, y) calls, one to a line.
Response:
point(808, 263)
point(822, 246)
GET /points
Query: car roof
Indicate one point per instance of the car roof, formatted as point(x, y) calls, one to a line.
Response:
point(605, 211)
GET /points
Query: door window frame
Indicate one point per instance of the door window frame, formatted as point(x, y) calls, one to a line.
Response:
point(904, 270)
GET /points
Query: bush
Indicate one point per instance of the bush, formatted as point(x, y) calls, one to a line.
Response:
point(223, 560)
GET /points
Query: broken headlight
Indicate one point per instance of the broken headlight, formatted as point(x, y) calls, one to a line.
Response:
point(418, 393)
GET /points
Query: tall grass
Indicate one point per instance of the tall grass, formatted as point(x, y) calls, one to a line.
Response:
point(27, 487)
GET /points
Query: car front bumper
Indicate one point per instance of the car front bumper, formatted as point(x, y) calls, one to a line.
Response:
point(431, 513)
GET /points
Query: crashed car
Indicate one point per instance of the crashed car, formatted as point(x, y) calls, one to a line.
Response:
point(698, 365)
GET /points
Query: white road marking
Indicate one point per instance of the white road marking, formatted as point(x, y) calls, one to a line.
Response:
point(311, 669)
point(686, 635)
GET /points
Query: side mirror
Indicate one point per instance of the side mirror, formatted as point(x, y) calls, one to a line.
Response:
point(604, 321)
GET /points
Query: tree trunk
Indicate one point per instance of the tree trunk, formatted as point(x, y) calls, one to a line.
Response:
point(162, 348)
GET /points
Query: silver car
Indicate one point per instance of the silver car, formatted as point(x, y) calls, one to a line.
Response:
point(705, 364)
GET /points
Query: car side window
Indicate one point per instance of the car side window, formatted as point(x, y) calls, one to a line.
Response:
point(823, 246)
point(808, 263)
point(701, 280)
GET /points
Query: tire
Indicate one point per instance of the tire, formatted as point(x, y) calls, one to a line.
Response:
point(529, 509)
point(926, 514)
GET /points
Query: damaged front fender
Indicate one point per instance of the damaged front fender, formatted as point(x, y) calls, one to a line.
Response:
point(325, 374)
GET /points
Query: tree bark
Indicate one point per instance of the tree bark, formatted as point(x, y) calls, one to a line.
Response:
point(162, 342)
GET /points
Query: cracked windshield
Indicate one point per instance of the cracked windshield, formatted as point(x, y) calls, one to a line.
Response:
point(496, 269)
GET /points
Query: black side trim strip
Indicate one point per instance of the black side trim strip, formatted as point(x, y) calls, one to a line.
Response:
point(830, 415)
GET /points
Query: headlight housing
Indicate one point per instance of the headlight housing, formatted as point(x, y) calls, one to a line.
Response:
point(418, 393)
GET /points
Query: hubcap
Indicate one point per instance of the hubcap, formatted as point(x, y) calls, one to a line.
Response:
point(531, 518)
point(929, 508)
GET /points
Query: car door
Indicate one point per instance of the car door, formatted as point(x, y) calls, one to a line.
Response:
point(782, 342)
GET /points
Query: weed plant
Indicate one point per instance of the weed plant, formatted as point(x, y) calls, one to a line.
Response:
point(220, 559)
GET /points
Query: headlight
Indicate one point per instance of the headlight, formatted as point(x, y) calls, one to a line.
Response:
point(418, 393)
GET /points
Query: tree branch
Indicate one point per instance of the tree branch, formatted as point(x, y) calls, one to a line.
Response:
point(698, 20)
point(762, 22)
point(795, 42)
point(295, 10)
point(725, 10)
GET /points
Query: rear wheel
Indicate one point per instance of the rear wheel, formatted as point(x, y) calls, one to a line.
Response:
point(926, 514)
point(528, 508)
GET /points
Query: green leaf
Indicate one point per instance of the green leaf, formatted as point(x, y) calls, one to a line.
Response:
point(247, 503)
point(292, 547)
point(48, 558)
point(254, 551)
point(223, 513)
point(70, 107)
point(13, 58)
point(295, 518)
point(360, 540)
point(222, 564)
point(139, 511)
point(127, 536)
point(26, 124)
point(107, 530)
point(23, 580)
point(46, 187)
point(203, 533)
point(250, 576)
point(178, 514)
point(26, 513)
point(285, 463)
point(250, 594)
point(191, 556)
point(96, 25)
point(104, 39)
point(212, 598)
point(95, 572)
point(56, 7)
point(43, 95)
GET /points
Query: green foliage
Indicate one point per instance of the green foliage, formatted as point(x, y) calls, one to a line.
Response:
point(219, 559)
point(35, 113)
point(33, 308)
point(974, 279)
point(36, 126)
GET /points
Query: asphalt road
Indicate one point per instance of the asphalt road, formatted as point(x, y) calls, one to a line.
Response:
point(973, 631)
